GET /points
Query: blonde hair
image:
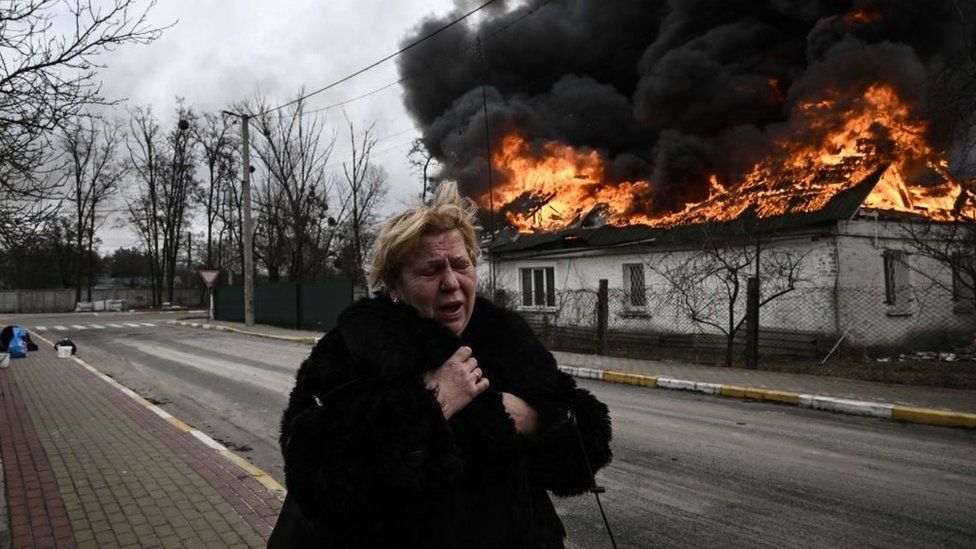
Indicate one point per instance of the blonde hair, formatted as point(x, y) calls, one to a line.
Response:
point(400, 235)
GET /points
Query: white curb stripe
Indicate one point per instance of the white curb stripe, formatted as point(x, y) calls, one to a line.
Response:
point(129, 392)
point(588, 373)
point(160, 412)
point(148, 324)
point(40, 328)
point(78, 327)
point(133, 325)
point(60, 328)
point(97, 326)
point(116, 325)
point(854, 407)
point(207, 440)
point(684, 385)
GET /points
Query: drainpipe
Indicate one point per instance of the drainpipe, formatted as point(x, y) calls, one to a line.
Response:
point(835, 237)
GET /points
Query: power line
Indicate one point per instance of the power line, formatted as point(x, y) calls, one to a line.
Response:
point(455, 57)
point(381, 61)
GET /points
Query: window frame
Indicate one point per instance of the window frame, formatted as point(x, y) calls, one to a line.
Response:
point(962, 304)
point(628, 280)
point(897, 282)
point(531, 278)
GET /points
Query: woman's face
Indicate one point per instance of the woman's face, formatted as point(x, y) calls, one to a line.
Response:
point(439, 281)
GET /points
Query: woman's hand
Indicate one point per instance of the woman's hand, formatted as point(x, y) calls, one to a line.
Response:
point(524, 417)
point(456, 382)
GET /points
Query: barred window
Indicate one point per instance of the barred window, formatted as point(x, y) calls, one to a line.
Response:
point(634, 289)
point(897, 286)
point(962, 283)
point(538, 287)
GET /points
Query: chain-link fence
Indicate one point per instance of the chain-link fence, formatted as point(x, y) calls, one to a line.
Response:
point(807, 322)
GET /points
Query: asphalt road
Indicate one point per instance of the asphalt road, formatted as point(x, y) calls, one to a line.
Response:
point(689, 470)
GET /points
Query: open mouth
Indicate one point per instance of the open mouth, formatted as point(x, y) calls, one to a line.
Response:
point(451, 310)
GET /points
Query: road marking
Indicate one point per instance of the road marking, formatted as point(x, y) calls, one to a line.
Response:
point(78, 327)
point(40, 328)
point(97, 326)
point(148, 324)
point(60, 328)
point(228, 369)
point(133, 325)
point(116, 325)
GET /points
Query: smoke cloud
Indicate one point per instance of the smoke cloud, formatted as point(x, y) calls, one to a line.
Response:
point(670, 91)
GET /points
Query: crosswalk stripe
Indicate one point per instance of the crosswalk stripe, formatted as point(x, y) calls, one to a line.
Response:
point(78, 327)
point(132, 324)
point(116, 325)
point(148, 324)
point(98, 326)
point(40, 328)
point(60, 328)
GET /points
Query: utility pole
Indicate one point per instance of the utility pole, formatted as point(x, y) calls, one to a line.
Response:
point(491, 188)
point(189, 259)
point(246, 230)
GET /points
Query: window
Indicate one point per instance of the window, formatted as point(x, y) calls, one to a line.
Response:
point(962, 283)
point(896, 280)
point(539, 287)
point(635, 295)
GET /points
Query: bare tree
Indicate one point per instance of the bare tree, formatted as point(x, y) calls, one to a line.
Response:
point(178, 186)
point(365, 189)
point(219, 144)
point(707, 284)
point(48, 76)
point(420, 161)
point(950, 251)
point(92, 149)
point(293, 200)
point(229, 213)
point(163, 165)
point(146, 160)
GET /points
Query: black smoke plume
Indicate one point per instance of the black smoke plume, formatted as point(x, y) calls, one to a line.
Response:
point(672, 91)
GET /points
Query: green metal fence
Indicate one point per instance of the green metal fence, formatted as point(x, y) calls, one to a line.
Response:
point(310, 306)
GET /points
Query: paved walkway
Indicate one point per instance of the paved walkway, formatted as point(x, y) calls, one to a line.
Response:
point(89, 465)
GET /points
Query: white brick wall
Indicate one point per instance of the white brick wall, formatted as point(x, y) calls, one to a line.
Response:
point(836, 295)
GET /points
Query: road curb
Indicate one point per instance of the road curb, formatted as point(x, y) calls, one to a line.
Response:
point(925, 416)
point(892, 412)
point(265, 479)
point(222, 328)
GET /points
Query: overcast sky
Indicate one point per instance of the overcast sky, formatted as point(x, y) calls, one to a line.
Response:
point(220, 51)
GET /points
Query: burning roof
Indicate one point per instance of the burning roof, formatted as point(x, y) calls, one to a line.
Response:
point(678, 113)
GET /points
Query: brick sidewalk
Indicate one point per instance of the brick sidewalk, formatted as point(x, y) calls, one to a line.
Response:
point(88, 466)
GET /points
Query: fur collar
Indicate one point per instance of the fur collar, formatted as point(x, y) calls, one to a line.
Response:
point(391, 340)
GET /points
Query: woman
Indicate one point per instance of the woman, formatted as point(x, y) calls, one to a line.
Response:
point(430, 417)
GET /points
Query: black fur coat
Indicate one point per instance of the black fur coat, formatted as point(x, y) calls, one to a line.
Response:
point(372, 462)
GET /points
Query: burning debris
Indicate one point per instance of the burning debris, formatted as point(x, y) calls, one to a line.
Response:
point(682, 112)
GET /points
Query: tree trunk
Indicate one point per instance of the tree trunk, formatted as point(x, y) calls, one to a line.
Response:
point(729, 349)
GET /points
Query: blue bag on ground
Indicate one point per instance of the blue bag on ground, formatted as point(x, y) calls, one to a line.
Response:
point(17, 347)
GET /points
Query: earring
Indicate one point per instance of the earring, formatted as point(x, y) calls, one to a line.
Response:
point(396, 300)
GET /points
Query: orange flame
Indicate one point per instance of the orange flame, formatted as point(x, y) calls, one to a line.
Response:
point(552, 185)
point(558, 185)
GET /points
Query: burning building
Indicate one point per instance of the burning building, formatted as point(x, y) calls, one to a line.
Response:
point(837, 129)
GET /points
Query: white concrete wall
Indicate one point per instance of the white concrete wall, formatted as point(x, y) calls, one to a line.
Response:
point(930, 321)
point(835, 296)
point(809, 308)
